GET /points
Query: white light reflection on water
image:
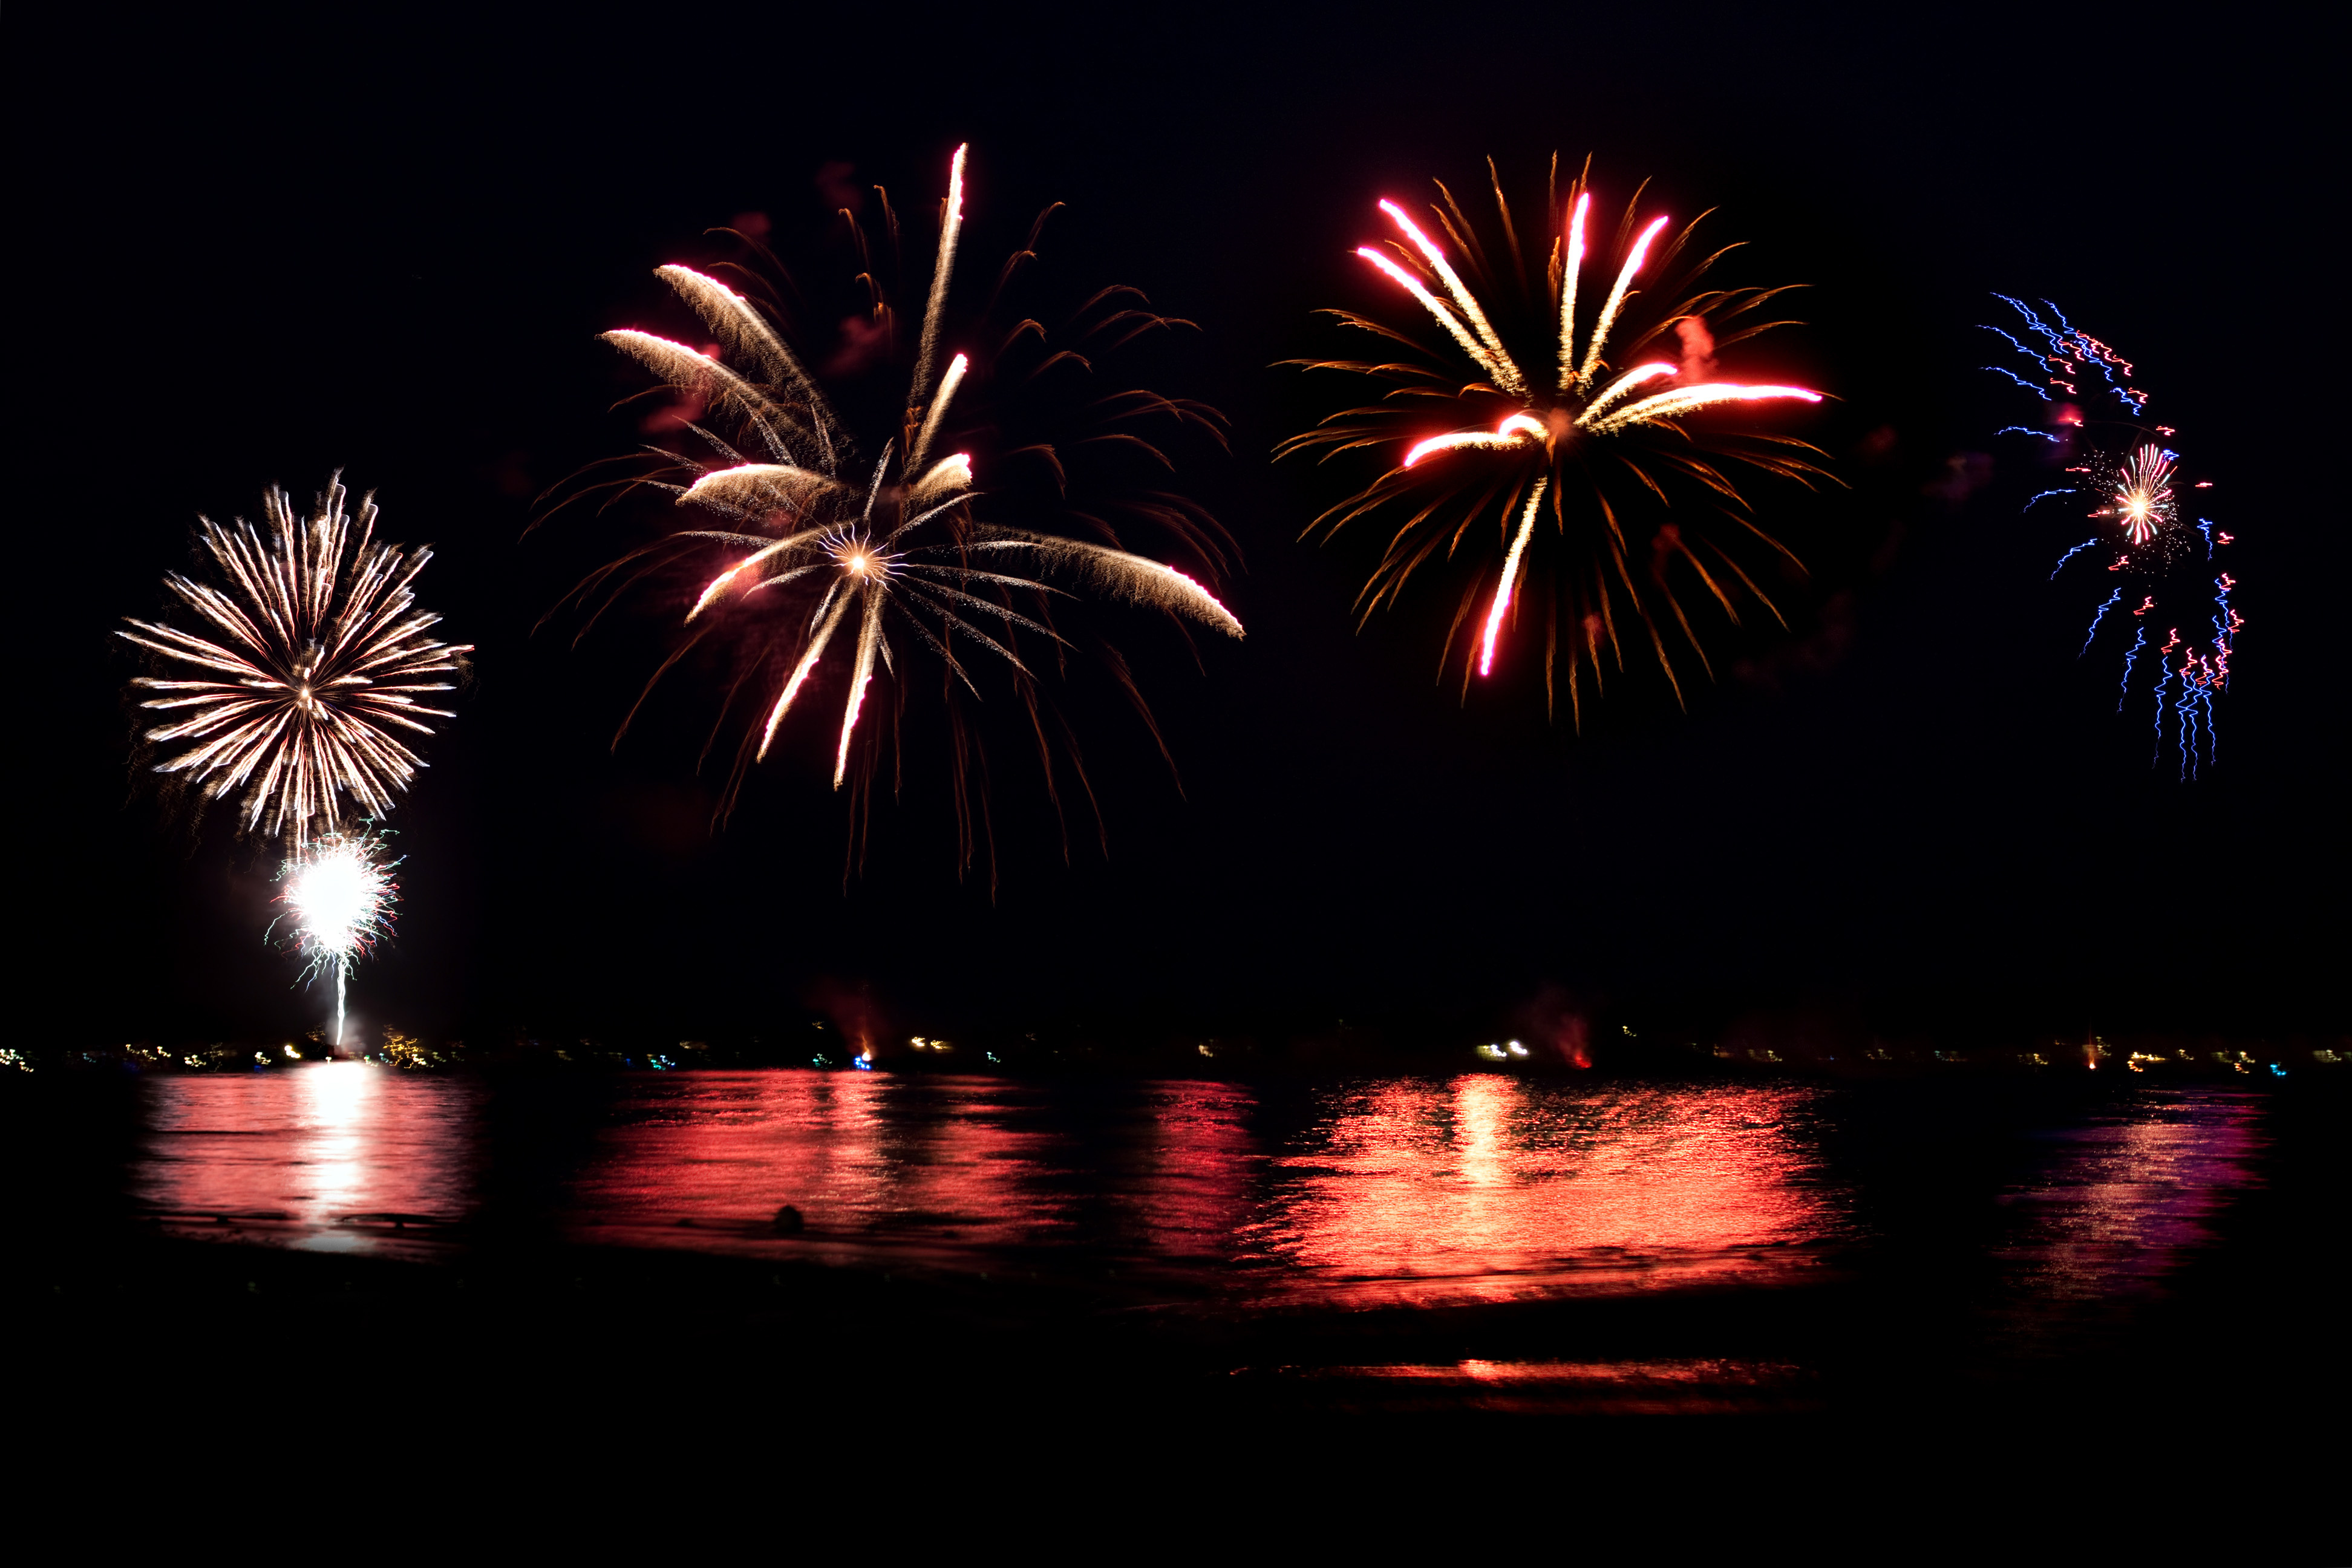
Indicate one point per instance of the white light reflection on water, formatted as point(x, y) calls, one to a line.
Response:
point(329, 1156)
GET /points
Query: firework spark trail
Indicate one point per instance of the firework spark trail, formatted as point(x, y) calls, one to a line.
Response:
point(869, 638)
point(2100, 615)
point(1514, 431)
point(1640, 375)
point(1617, 299)
point(2163, 683)
point(1462, 335)
point(2071, 554)
point(340, 893)
point(1569, 271)
point(1559, 452)
point(2191, 689)
point(948, 385)
point(935, 310)
point(1506, 373)
point(2131, 657)
point(1685, 400)
point(2045, 495)
point(1510, 575)
point(316, 651)
point(821, 545)
point(2067, 353)
point(2226, 621)
point(801, 671)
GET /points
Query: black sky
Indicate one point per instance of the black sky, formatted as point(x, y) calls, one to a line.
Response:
point(250, 249)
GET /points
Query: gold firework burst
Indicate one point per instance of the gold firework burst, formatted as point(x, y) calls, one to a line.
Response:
point(825, 551)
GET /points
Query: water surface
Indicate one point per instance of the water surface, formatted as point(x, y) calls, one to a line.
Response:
point(1427, 1190)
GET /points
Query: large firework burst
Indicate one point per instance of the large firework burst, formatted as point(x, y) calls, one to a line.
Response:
point(315, 654)
point(1542, 449)
point(2160, 559)
point(966, 522)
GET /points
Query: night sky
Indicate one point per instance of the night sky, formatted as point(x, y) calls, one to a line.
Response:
point(383, 239)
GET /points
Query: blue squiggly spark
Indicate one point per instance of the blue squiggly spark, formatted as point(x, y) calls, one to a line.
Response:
point(2187, 708)
point(2139, 641)
point(2025, 310)
point(2068, 556)
point(2097, 618)
point(2012, 342)
point(2068, 345)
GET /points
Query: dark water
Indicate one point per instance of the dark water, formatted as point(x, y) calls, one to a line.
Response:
point(1404, 1192)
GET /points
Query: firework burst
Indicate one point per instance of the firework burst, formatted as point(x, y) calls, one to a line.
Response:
point(817, 553)
point(312, 658)
point(339, 892)
point(2162, 562)
point(2138, 491)
point(1551, 447)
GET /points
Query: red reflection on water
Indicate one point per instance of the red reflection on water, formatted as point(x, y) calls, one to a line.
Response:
point(1678, 1387)
point(1489, 1186)
point(923, 1163)
point(307, 1150)
point(855, 1153)
point(1195, 1192)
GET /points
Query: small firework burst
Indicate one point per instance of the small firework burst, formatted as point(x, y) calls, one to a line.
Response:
point(2137, 485)
point(340, 894)
point(312, 661)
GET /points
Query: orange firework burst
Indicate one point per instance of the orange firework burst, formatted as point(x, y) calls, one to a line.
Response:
point(838, 534)
point(312, 662)
point(1590, 453)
